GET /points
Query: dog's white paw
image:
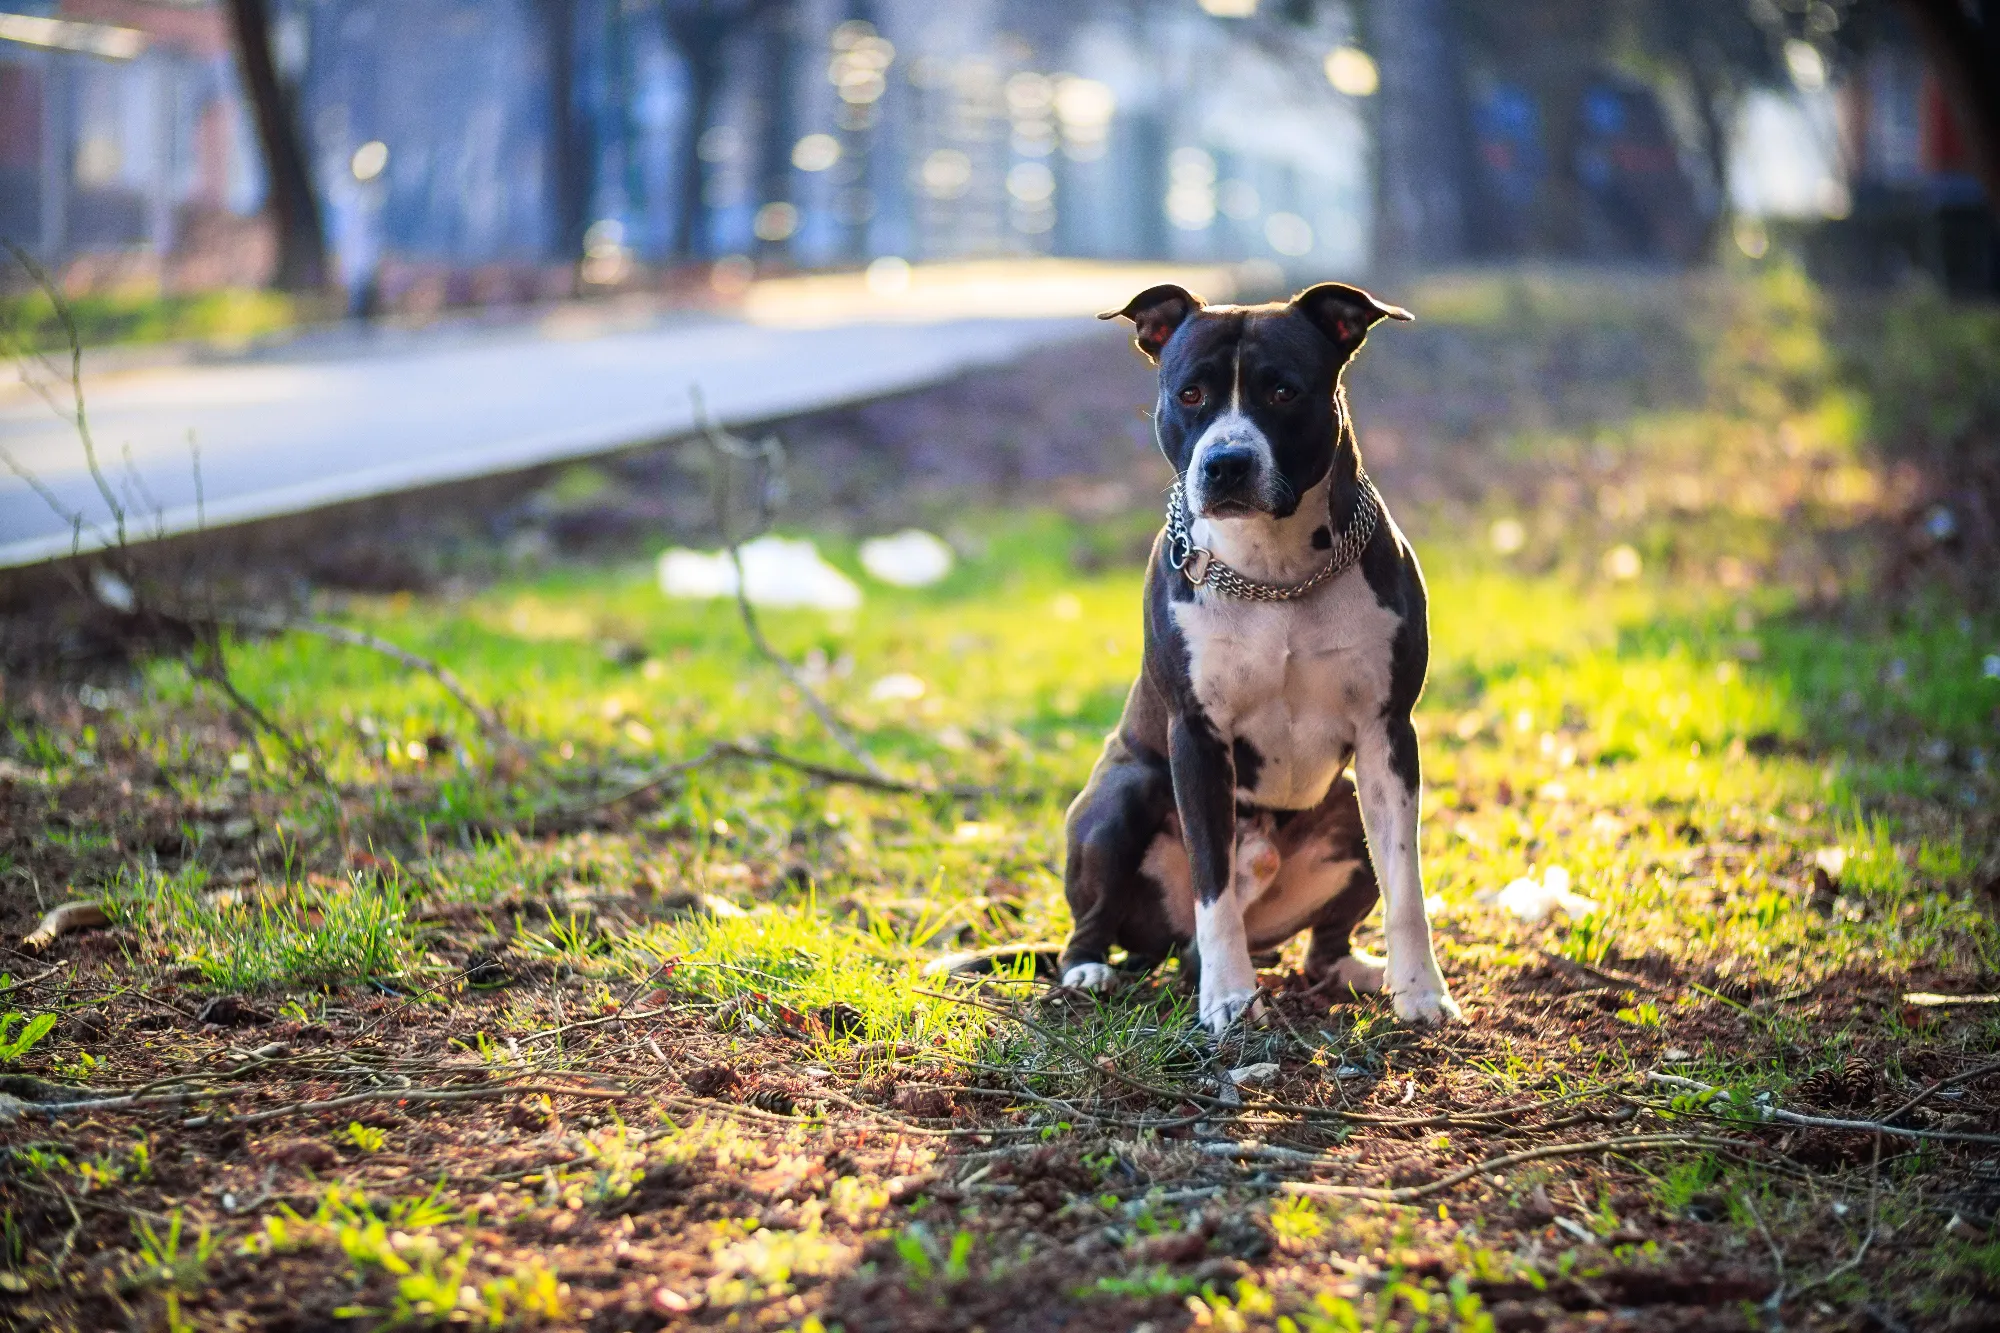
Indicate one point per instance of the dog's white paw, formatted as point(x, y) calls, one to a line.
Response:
point(1219, 1012)
point(1090, 976)
point(1356, 972)
point(1427, 1008)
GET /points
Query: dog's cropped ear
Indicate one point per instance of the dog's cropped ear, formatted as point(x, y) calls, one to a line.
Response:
point(1344, 314)
point(1157, 311)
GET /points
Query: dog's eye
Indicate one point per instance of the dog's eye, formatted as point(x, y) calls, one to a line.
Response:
point(1193, 395)
point(1283, 393)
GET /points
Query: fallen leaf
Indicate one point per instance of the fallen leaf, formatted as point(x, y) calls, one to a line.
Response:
point(64, 919)
point(1253, 1076)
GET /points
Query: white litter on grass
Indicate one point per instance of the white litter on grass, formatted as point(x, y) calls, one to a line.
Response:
point(1531, 900)
point(113, 591)
point(897, 687)
point(777, 572)
point(1577, 1229)
point(1253, 1076)
point(1832, 860)
point(912, 558)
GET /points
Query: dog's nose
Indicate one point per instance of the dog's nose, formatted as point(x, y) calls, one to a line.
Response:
point(1225, 470)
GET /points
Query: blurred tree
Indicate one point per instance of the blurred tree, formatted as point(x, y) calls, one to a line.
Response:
point(779, 122)
point(702, 31)
point(570, 148)
point(1423, 134)
point(302, 264)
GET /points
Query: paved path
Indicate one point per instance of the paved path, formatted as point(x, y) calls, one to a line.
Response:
point(292, 431)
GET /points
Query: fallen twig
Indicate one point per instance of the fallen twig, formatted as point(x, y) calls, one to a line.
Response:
point(725, 751)
point(597, 1022)
point(40, 976)
point(769, 456)
point(488, 719)
point(1776, 1299)
point(85, 1201)
point(1412, 1193)
point(407, 1095)
point(1978, 1071)
point(1867, 1238)
point(1230, 1149)
point(1783, 1116)
point(1604, 974)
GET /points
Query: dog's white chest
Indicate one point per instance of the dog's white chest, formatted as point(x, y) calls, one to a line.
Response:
point(1294, 680)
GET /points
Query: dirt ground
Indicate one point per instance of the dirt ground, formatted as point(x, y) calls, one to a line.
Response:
point(637, 1139)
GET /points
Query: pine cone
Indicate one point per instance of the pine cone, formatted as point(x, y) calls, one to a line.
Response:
point(1852, 1083)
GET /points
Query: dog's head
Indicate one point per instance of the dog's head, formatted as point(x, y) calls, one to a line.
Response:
point(1248, 409)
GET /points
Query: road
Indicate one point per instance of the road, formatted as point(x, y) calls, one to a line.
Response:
point(345, 418)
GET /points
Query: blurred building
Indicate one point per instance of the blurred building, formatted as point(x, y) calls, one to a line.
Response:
point(473, 150)
point(125, 154)
point(1916, 204)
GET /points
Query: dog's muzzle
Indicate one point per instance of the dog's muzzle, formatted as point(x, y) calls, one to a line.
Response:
point(1232, 480)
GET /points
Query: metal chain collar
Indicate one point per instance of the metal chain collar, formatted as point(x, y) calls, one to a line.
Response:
point(1200, 567)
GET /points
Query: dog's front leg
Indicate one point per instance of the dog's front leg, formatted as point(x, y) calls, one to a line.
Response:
point(1391, 783)
point(1205, 793)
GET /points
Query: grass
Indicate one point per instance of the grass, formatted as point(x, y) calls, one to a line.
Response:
point(225, 317)
point(1781, 800)
point(1609, 728)
point(1667, 746)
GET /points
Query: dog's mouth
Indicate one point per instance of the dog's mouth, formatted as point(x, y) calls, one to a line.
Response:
point(1232, 509)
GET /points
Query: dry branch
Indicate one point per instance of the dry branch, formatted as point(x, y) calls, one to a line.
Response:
point(25, 982)
point(1782, 1116)
point(768, 457)
point(407, 1095)
point(355, 638)
point(719, 752)
point(1602, 975)
point(1412, 1193)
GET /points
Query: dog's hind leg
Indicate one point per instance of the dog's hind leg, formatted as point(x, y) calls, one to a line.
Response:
point(1332, 961)
point(1110, 826)
point(1326, 884)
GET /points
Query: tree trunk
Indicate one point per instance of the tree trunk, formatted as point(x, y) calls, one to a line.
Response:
point(691, 212)
point(569, 172)
point(302, 265)
point(1709, 110)
point(1964, 51)
point(1559, 205)
point(1424, 161)
point(774, 157)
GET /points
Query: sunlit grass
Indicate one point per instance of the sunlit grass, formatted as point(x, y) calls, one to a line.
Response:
point(1671, 747)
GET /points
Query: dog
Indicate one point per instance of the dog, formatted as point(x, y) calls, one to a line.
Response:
point(1286, 634)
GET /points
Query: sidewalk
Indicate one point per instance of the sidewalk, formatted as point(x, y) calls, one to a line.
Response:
point(340, 419)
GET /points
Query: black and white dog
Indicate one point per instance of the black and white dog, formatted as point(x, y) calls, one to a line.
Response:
point(1285, 635)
